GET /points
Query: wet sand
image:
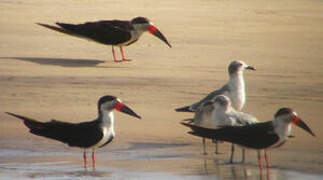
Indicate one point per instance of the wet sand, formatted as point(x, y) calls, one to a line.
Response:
point(44, 75)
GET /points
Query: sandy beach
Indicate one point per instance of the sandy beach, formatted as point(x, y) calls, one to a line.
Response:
point(45, 75)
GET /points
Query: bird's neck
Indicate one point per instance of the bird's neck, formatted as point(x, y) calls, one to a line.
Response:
point(282, 129)
point(138, 30)
point(107, 119)
point(237, 87)
point(220, 117)
point(236, 79)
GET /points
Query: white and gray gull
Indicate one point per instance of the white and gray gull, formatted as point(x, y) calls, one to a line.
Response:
point(234, 88)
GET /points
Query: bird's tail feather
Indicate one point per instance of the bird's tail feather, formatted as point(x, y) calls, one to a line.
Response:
point(200, 131)
point(55, 28)
point(189, 120)
point(30, 123)
point(184, 109)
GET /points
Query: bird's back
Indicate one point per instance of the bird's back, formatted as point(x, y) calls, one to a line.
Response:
point(83, 135)
point(106, 32)
point(257, 136)
point(210, 96)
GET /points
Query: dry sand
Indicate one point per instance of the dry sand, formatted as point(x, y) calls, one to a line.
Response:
point(46, 75)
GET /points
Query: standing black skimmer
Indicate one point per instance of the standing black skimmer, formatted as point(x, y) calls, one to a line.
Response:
point(270, 134)
point(114, 32)
point(217, 113)
point(234, 88)
point(87, 135)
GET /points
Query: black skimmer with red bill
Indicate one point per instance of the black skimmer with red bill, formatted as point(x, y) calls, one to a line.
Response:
point(87, 135)
point(217, 113)
point(234, 88)
point(111, 32)
point(265, 135)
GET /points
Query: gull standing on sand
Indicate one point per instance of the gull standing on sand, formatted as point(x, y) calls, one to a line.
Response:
point(112, 32)
point(265, 135)
point(218, 113)
point(234, 88)
point(87, 135)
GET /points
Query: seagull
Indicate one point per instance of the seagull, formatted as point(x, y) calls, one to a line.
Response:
point(234, 88)
point(111, 32)
point(86, 135)
point(259, 136)
point(218, 113)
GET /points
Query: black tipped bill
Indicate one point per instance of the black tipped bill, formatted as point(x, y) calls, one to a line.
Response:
point(297, 121)
point(251, 68)
point(125, 109)
point(153, 30)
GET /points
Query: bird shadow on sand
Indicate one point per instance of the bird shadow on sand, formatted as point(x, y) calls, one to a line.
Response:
point(64, 62)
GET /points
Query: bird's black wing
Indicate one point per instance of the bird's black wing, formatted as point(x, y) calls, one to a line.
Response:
point(81, 135)
point(106, 32)
point(257, 136)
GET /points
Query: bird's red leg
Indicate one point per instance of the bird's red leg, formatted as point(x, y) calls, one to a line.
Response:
point(93, 160)
point(84, 159)
point(114, 55)
point(259, 159)
point(123, 56)
point(267, 159)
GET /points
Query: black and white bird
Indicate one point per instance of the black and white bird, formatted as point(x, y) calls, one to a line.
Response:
point(234, 88)
point(86, 135)
point(111, 32)
point(218, 113)
point(265, 135)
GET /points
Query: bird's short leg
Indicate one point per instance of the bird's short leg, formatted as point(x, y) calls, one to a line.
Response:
point(259, 159)
point(84, 159)
point(123, 56)
point(114, 56)
point(204, 146)
point(93, 160)
point(232, 154)
point(267, 159)
point(216, 146)
point(243, 154)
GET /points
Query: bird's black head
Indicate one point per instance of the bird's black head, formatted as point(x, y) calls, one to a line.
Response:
point(283, 111)
point(287, 115)
point(140, 20)
point(105, 99)
point(109, 103)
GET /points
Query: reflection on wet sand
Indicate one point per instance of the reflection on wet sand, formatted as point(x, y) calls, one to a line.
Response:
point(237, 171)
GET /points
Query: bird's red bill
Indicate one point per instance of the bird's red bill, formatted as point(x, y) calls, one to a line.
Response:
point(119, 106)
point(295, 119)
point(152, 29)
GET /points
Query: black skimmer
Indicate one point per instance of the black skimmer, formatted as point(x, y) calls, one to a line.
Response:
point(111, 32)
point(265, 135)
point(87, 135)
point(217, 113)
point(234, 88)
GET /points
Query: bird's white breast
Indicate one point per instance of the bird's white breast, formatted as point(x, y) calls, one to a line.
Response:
point(107, 129)
point(237, 92)
point(107, 134)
